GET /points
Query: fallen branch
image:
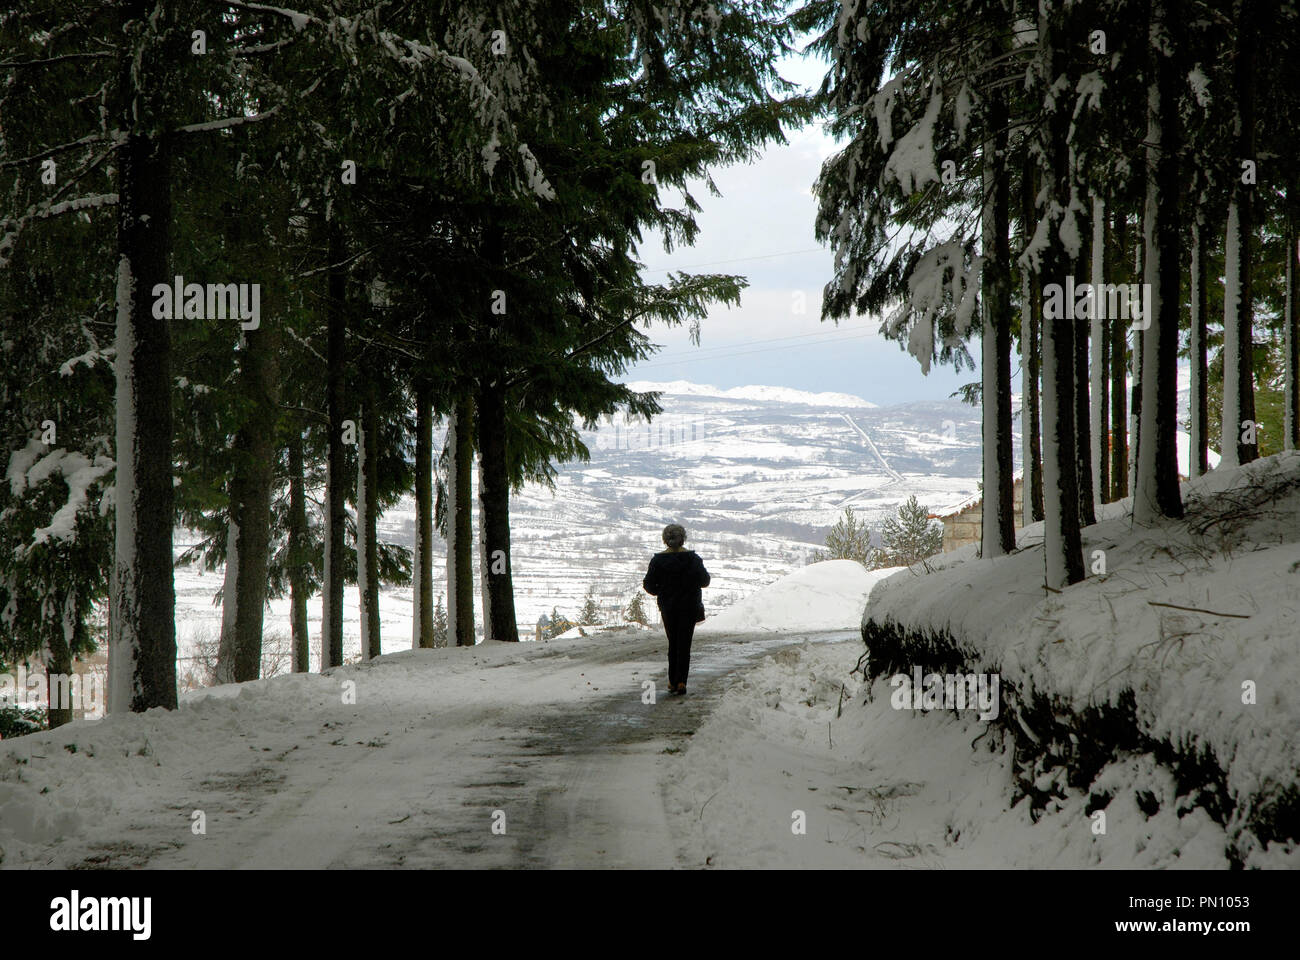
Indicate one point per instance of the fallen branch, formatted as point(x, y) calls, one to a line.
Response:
point(1213, 613)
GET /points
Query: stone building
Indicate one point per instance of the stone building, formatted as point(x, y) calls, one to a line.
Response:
point(963, 522)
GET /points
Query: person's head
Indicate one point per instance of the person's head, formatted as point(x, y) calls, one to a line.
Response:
point(674, 536)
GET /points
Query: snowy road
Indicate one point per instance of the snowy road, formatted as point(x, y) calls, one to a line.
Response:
point(758, 767)
point(552, 743)
point(578, 782)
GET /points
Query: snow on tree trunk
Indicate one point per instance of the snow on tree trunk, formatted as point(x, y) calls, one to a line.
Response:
point(460, 525)
point(142, 642)
point(1236, 345)
point(1097, 384)
point(1237, 443)
point(1156, 494)
point(494, 507)
point(1199, 401)
point(1119, 361)
point(422, 579)
point(486, 596)
point(998, 532)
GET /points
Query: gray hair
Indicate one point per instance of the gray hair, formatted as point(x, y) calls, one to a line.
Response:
point(674, 535)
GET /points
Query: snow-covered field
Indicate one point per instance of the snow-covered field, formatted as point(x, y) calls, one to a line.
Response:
point(757, 475)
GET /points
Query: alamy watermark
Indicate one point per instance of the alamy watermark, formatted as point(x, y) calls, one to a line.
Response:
point(212, 301)
point(661, 432)
point(59, 691)
point(946, 691)
point(75, 913)
point(1108, 301)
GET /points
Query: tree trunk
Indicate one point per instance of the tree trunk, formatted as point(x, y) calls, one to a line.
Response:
point(1031, 293)
point(1119, 360)
point(486, 597)
point(336, 460)
point(142, 644)
point(248, 538)
point(1135, 393)
point(58, 675)
point(1082, 418)
point(1062, 544)
point(494, 504)
point(1097, 383)
point(999, 533)
point(1199, 401)
point(460, 525)
point(422, 582)
point(1238, 307)
point(1156, 494)
point(298, 555)
point(367, 523)
point(1291, 335)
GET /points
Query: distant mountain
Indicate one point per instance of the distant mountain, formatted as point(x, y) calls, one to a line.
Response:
point(683, 388)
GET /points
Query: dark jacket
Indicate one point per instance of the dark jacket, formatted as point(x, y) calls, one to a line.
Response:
point(675, 578)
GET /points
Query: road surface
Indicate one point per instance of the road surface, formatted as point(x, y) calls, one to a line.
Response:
point(517, 778)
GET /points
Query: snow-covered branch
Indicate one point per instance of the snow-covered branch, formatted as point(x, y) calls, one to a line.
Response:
point(11, 229)
point(91, 55)
point(227, 122)
point(54, 151)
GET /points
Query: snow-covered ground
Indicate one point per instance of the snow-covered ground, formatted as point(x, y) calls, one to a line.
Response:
point(1189, 626)
point(884, 788)
point(824, 596)
point(779, 757)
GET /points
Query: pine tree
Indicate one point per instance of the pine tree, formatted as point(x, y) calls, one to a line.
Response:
point(439, 624)
point(590, 615)
point(556, 625)
point(849, 539)
point(636, 610)
point(909, 537)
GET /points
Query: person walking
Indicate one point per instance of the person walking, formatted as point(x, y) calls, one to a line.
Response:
point(674, 579)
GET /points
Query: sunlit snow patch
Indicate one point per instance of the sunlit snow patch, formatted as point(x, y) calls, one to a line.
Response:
point(821, 596)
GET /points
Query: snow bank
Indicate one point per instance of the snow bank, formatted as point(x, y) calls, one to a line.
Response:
point(881, 788)
point(1184, 639)
point(821, 596)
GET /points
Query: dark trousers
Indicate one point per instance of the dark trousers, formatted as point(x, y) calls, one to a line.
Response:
point(680, 629)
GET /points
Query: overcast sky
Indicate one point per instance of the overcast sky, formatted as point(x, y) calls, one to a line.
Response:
point(762, 228)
